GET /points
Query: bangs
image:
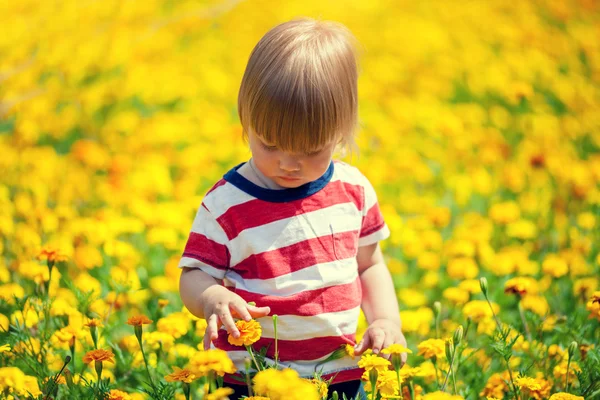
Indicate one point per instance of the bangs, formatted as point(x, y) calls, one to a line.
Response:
point(299, 91)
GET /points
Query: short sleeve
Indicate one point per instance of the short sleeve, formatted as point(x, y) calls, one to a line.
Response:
point(207, 246)
point(373, 227)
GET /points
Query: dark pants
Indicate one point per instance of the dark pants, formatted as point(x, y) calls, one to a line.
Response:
point(352, 390)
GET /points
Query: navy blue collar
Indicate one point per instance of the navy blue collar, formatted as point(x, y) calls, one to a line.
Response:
point(274, 195)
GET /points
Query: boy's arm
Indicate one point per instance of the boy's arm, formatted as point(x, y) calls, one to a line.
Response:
point(379, 301)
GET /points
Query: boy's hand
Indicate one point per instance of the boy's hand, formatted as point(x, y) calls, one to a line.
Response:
point(221, 306)
point(379, 335)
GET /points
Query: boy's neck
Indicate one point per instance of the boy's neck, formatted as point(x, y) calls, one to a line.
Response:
point(253, 174)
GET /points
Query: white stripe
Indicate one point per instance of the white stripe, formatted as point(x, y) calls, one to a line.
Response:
point(206, 224)
point(187, 262)
point(294, 327)
point(374, 237)
point(224, 197)
point(305, 369)
point(314, 277)
point(296, 229)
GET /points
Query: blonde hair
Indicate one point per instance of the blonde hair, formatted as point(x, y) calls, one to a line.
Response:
point(299, 91)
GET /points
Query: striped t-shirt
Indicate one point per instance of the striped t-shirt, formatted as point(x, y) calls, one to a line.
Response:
point(293, 250)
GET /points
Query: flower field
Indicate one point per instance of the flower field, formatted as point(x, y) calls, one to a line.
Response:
point(480, 132)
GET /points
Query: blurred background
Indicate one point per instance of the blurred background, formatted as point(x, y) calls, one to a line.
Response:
point(480, 132)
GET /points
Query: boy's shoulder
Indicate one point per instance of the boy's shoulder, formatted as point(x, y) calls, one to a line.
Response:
point(349, 173)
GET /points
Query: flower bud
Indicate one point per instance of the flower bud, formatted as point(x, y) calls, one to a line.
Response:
point(437, 308)
point(449, 349)
point(458, 335)
point(484, 286)
point(335, 395)
point(572, 348)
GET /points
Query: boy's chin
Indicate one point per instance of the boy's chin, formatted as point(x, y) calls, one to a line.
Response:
point(290, 183)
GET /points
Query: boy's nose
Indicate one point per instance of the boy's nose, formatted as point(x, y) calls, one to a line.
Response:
point(289, 163)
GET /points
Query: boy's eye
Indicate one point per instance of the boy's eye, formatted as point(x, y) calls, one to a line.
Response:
point(314, 153)
point(269, 148)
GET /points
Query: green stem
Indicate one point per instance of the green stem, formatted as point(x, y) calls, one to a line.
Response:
point(522, 313)
point(449, 371)
point(568, 367)
point(249, 349)
point(437, 382)
point(399, 382)
point(146, 364)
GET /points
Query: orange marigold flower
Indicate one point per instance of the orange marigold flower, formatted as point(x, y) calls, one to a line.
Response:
point(180, 375)
point(118, 395)
point(139, 320)
point(250, 332)
point(52, 254)
point(99, 355)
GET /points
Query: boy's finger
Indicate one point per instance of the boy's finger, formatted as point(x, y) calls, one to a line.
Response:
point(211, 329)
point(257, 312)
point(378, 336)
point(362, 345)
point(227, 320)
point(241, 311)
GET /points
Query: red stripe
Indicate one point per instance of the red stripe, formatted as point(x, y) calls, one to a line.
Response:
point(310, 302)
point(206, 250)
point(372, 222)
point(235, 219)
point(291, 350)
point(338, 377)
point(285, 260)
point(216, 185)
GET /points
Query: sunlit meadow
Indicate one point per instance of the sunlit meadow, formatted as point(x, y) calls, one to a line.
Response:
point(480, 132)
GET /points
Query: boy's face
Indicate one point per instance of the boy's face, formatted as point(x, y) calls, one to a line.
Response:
point(289, 170)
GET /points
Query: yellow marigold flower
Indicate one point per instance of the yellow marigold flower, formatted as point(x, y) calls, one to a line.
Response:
point(432, 348)
point(283, 385)
point(162, 303)
point(456, 295)
point(373, 361)
point(462, 268)
point(505, 213)
point(521, 229)
point(99, 355)
point(180, 375)
point(387, 383)
point(94, 322)
point(565, 396)
point(593, 306)
point(115, 394)
point(496, 385)
point(250, 332)
point(52, 254)
point(215, 360)
point(350, 350)
point(479, 310)
point(560, 371)
point(396, 349)
point(521, 285)
point(321, 387)
point(175, 324)
point(139, 320)
point(555, 266)
point(536, 304)
point(407, 372)
point(219, 394)
point(527, 382)
point(584, 287)
point(256, 398)
point(586, 220)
